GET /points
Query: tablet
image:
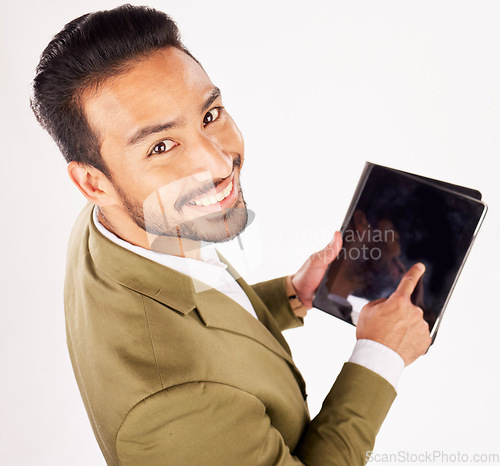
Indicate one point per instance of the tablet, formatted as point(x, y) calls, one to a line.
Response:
point(395, 220)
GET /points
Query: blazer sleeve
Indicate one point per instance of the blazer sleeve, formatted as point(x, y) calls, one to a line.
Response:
point(206, 423)
point(273, 294)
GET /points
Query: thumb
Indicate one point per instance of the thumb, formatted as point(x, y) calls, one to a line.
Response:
point(309, 276)
point(330, 251)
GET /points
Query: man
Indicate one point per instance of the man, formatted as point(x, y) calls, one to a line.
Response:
point(174, 365)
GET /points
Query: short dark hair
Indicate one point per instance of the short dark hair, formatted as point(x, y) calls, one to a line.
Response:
point(89, 50)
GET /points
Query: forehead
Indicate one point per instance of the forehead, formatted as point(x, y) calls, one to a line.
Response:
point(165, 84)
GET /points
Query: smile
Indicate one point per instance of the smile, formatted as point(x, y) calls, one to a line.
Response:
point(211, 200)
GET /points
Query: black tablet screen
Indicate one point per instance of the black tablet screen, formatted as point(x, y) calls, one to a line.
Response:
point(400, 219)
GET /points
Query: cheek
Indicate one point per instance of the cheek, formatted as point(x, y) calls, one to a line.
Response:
point(168, 189)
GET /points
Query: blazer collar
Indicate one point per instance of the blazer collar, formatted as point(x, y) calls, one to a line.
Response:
point(177, 291)
point(165, 285)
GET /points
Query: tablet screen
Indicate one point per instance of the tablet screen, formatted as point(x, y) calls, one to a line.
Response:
point(400, 219)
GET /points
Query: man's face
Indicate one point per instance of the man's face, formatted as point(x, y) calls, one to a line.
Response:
point(174, 153)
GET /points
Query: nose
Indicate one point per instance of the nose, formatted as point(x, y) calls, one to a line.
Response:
point(207, 153)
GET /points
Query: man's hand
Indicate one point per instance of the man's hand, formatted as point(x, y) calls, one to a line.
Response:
point(306, 281)
point(395, 322)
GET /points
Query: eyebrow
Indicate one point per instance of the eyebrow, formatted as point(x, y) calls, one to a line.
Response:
point(214, 95)
point(143, 133)
point(146, 131)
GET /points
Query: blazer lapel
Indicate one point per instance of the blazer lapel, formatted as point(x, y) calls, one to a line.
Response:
point(177, 291)
point(260, 308)
point(216, 310)
point(267, 321)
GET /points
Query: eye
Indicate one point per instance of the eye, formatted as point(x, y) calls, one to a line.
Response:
point(162, 147)
point(211, 115)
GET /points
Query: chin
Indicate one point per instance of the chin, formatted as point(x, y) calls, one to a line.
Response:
point(217, 227)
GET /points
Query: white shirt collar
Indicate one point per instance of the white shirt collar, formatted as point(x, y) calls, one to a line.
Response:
point(210, 270)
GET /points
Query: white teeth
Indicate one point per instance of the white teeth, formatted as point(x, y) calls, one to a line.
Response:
point(206, 201)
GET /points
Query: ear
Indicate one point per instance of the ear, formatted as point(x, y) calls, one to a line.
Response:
point(360, 222)
point(92, 183)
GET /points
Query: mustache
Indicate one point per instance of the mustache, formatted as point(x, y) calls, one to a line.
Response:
point(205, 187)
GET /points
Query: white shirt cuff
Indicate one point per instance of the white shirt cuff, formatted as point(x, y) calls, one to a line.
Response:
point(379, 359)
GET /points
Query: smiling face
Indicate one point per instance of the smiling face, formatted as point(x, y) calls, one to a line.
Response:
point(174, 153)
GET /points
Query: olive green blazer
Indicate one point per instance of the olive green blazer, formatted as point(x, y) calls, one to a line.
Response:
point(169, 376)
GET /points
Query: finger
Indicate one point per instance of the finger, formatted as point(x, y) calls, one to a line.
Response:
point(375, 302)
point(331, 251)
point(333, 248)
point(410, 280)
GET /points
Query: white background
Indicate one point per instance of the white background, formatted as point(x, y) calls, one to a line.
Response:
point(317, 88)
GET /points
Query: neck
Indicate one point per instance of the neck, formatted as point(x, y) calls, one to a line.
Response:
point(126, 229)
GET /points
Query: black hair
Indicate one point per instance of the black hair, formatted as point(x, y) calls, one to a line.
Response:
point(89, 50)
